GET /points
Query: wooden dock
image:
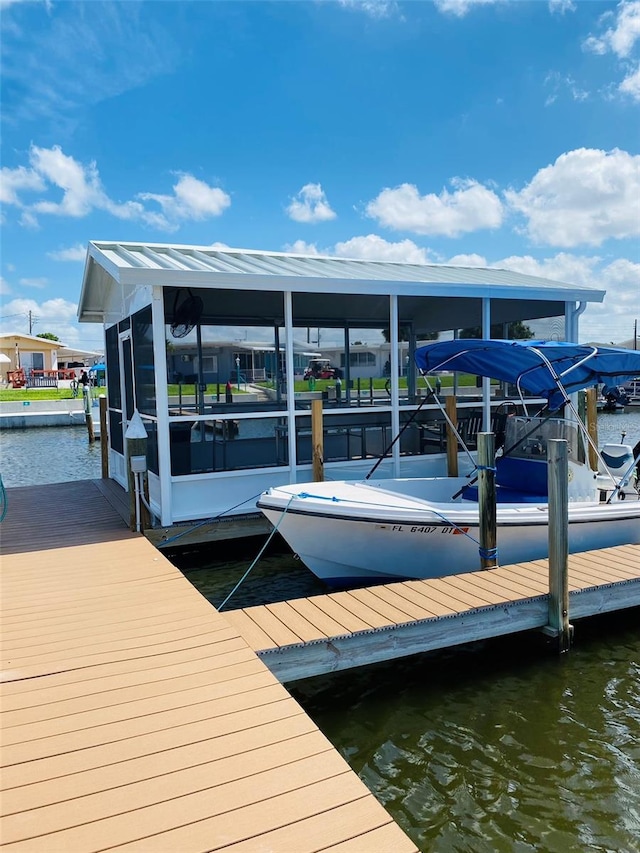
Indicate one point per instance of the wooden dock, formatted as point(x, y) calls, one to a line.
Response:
point(135, 717)
point(325, 633)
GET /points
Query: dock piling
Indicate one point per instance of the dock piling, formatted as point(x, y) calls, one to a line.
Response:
point(487, 499)
point(86, 393)
point(558, 481)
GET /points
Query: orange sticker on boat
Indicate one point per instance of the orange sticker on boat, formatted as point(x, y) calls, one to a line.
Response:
point(457, 530)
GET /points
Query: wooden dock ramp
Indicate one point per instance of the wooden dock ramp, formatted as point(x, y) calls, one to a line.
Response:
point(135, 717)
point(325, 633)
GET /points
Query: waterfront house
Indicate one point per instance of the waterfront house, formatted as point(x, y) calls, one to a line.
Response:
point(206, 345)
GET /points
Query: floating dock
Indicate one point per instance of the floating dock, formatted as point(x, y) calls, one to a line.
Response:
point(137, 717)
point(326, 633)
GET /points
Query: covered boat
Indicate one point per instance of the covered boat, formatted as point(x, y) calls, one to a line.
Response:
point(362, 532)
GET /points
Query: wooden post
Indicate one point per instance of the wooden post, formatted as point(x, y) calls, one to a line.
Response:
point(317, 440)
point(451, 406)
point(104, 437)
point(86, 394)
point(558, 481)
point(592, 425)
point(487, 499)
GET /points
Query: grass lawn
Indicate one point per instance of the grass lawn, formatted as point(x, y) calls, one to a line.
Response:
point(19, 394)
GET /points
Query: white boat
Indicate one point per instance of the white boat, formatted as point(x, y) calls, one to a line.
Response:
point(350, 533)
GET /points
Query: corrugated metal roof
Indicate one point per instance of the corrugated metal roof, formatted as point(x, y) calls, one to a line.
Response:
point(133, 264)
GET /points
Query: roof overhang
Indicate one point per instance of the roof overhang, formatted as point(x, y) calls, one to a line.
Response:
point(359, 288)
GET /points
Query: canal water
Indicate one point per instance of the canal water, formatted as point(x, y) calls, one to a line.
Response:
point(496, 746)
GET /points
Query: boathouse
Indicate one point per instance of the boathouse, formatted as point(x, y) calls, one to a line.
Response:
point(206, 344)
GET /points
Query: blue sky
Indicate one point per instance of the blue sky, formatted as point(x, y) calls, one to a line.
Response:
point(478, 132)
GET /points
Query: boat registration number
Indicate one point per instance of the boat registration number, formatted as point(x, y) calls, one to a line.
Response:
point(422, 528)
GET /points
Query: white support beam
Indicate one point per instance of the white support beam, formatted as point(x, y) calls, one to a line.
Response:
point(486, 381)
point(395, 386)
point(289, 372)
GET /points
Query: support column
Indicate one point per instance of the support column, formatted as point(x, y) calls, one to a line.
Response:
point(486, 381)
point(162, 404)
point(395, 389)
point(291, 402)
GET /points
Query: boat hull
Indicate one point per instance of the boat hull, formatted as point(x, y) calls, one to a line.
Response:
point(348, 547)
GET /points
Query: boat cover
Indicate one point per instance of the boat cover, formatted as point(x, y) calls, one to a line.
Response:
point(540, 367)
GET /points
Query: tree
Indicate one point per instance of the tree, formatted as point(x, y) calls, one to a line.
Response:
point(403, 334)
point(49, 336)
point(516, 331)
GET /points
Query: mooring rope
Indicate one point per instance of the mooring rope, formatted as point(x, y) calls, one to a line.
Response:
point(208, 520)
point(4, 501)
point(260, 553)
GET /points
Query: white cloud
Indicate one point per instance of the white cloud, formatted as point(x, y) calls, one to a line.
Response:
point(82, 192)
point(467, 261)
point(560, 83)
point(38, 283)
point(79, 56)
point(460, 8)
point(300, 247)
point(192, 199)
point(54, 315)
point(376, 248)
point(73, 253)
point(13, 181)
point(622, 36)
point(377, 9)
point(470, 207)
point(631, 84)
point(5, 288)
point(611, 320)
point(586, 197)
point(310, 205)
point(561, 6)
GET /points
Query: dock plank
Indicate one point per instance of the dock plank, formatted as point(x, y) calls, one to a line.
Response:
point(335, 609)
point(318, 617)
point(291, 617)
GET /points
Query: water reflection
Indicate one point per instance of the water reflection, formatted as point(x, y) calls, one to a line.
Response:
point(499, 746)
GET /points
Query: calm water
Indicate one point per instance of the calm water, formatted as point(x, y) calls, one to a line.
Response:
point(29, 457)
point(498, 746)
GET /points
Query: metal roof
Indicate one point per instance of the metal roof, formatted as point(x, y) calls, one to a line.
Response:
point(135, 264)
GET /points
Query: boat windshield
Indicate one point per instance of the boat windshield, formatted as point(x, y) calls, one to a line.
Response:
point(528, 437)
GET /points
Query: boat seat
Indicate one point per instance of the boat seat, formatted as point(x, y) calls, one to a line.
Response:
point(517, 481)
point(617, 457)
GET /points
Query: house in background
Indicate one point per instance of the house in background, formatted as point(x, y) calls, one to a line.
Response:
point(28, 361)
point(29, 356)
point(72, 358)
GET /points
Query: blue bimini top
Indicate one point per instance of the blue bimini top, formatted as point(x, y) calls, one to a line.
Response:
point(550, 369)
